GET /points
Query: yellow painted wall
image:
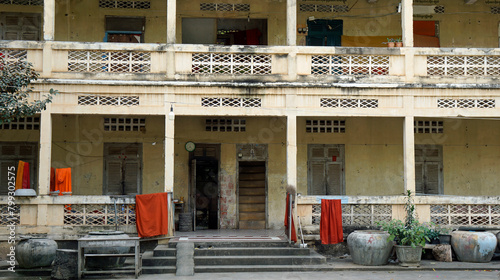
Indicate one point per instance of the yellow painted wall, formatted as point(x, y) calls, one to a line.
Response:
point(78, 142)
point(262, 130)
point(373, 155)
point(471, 151)
point(460, 26)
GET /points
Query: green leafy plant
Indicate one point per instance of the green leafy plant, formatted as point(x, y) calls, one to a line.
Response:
point(398, 40)
point(391, 40)
point(410, 232)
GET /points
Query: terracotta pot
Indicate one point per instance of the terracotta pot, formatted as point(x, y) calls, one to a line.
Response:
point(399, 44)
point(369, 247)
point(391, 44)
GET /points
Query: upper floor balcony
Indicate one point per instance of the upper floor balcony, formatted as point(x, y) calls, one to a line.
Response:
point(264, 42)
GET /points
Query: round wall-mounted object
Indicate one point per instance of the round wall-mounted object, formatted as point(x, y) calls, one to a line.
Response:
point(190, 146)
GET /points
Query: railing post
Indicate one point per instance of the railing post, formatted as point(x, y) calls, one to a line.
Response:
point(290, 218)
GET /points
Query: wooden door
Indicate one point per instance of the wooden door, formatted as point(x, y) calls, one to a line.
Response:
point(252, 194)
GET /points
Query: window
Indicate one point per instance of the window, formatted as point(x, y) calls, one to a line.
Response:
point(20, 26)
point(10, 155)
point(326, 170)
point(125, 29)
point(428, 169)
point(122, 168)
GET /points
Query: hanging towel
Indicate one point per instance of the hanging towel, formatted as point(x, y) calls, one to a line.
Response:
point(151, 214)
point(330, 226)
point(63, 180)
point(19, 176)
point(294, 234)
point(52, 179)
point(26, 176)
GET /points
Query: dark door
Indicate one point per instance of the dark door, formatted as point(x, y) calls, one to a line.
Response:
point(252, 194)
point(322, 32)
point(206, 194)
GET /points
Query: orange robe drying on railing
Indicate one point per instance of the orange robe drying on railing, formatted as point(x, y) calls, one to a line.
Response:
point(63, 180)
point(151, 212)
point(19, 176)
point(330, 227)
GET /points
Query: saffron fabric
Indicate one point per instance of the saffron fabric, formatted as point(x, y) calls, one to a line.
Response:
point(26, 176)
point(52, 179)
point(19, 176)
point(151, 214)
point(63, 180)
point(330, 227)
point(294, 233)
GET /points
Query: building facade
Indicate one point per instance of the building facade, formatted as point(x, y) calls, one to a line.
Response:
point(225, 104)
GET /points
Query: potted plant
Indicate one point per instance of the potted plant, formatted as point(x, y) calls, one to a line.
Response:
point(444, 236)
point(410, 235)
point(432, 234)
point(391, 43)
point(398, 42)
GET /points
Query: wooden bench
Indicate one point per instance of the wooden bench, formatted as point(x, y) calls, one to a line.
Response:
point(131, 242)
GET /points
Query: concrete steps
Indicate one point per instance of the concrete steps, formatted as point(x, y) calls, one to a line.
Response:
point(227, 256)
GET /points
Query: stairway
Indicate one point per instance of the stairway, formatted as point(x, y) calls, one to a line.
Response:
point(224, 256)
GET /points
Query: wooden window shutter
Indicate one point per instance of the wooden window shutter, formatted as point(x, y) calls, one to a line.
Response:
point(114, 177)
point(317, 178)
point(131, 177)
point(431, 178)
point(334, 179)
point(419, 174)
point(4, 172)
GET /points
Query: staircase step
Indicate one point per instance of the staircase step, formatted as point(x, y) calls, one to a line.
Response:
point(148, 259)
point(258, 260)
point(158, 269)
point(260, 268)
point(255, 251)
point(231, 243)
point(164, 251)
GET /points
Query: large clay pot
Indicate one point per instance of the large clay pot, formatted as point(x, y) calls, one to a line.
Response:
point(369, 247)
point(35, 252)
point(498, 240)
point(471, 246)
point(106, 262)
point(409, 256)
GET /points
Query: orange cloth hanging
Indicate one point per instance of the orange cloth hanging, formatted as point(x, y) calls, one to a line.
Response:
point(63, 180)
point(52, 179)
point(294, 233)
point(26, 176)
point(330, 226)
point(19, 176)
point(151, 214)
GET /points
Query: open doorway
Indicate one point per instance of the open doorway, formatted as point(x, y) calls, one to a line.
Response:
point(224, 31)
point(205, 186)
point(323, 32)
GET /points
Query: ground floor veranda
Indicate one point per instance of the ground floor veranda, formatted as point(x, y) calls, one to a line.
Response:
point(237, 174)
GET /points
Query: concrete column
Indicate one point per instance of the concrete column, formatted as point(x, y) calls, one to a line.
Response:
point(409, 154)
point(45, 152)
point(291, 150)
point(47, 60)
point(49, 15)
point(169, 152)
point(407, 22)
point(291, 22)
point(171, 20)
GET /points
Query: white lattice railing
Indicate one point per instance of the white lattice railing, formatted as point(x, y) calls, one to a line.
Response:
point(229, 63)
point(358, 214)
point(12, 55)
point(10, 214)
point(353, 65)
point(231, 102)
point(463, 65)
point(465, 215)
point(109, 61)
point(99, 214)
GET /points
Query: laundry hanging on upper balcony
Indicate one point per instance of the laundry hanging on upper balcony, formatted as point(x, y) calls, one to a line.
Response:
point(23, 175)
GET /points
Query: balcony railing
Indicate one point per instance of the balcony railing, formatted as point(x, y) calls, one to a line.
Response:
point(263, 63)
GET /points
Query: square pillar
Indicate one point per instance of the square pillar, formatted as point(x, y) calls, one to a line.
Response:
point(171, 21)
point(407, 22)
point(409, 154)
point(291, 22)
point(49, 13)
point(45, 152)
point(169, 152)
point(291, 150)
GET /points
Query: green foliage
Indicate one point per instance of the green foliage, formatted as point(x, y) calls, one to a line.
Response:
point(15, 80)
point(410, 232)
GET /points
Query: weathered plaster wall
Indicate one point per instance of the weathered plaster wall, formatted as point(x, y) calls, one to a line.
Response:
point(471, 149)
point(78, 142)
point(373, 154)
point(259, 130)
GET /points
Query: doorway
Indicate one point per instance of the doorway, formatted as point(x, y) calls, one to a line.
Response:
point(252, 194)
point(205, 186)
point(323, 32)
point(224, 31)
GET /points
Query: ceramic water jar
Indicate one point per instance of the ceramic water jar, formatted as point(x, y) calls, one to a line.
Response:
point(472, 246)
point(34, 252)
point(369, 247)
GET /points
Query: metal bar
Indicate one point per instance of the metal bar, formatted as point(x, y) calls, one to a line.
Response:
point(289, 218)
